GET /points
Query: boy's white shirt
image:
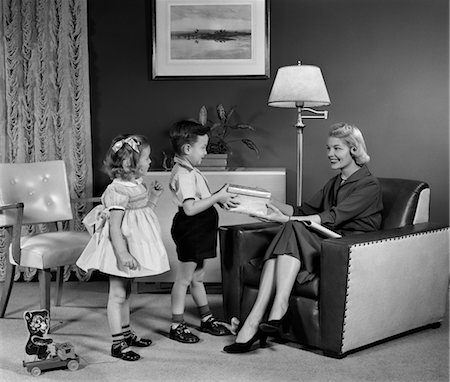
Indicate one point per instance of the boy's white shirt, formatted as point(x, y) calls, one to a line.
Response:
point(187, 182)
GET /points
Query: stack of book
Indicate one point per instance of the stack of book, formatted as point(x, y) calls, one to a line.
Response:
point(252, 200)
point(214, 162)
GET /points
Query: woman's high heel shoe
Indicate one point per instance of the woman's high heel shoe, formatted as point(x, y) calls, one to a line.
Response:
point(271, 327)
point(245, 347)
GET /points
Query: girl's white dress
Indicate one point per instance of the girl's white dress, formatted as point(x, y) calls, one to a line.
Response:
point(140, 229)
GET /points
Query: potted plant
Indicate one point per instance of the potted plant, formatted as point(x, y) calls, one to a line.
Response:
point(220, 139)
point(221, 130)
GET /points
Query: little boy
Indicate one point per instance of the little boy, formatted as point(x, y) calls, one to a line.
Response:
point(194, 228)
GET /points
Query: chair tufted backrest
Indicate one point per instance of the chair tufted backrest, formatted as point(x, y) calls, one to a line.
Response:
point(41, 186)
point(405, 202)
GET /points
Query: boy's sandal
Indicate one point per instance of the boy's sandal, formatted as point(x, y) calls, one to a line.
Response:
point(182, 334)
point(214, 327)
point(122, 351)
point(134, 340)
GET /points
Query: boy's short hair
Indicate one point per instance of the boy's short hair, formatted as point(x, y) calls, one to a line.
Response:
point(186, 132)
point(353, 138)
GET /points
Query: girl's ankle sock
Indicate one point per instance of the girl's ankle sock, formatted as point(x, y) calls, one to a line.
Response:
point(117, 339)
point(126, 330)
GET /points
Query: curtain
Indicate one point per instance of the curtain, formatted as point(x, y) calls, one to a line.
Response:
point(44, 94)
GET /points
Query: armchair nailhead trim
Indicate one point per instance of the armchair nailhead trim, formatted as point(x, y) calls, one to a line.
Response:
point(396, 238)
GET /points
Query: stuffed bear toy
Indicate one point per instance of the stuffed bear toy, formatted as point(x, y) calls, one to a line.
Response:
point(39, 346)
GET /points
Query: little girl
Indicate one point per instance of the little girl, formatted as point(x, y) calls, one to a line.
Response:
point(126, 241)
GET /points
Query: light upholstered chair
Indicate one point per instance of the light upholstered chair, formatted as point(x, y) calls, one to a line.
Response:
point(371, 286)
point(11, 216)
point(43, 189)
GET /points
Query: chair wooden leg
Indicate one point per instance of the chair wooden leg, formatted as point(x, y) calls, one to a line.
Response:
point(59, 285)
point(7, 287)
point(45, 278)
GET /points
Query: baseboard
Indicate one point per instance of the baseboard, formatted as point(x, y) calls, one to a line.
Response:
point(166, 287)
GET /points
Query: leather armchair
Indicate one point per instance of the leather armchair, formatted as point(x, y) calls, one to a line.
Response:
point(370, 287)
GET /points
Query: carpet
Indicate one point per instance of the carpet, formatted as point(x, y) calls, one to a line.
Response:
point(420, 356)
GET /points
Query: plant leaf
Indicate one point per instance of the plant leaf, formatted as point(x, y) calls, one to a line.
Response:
point(242, 126)
point(251, 145)
point(221, 113)
point(203, 115)
point(215, 125)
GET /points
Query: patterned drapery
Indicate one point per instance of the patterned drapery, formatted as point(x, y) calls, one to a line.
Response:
point(44, 93)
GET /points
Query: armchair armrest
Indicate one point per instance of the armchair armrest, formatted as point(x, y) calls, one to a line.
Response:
point(380, 284)
point(239, 244)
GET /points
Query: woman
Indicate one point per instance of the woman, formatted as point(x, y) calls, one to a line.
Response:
point(349, 203)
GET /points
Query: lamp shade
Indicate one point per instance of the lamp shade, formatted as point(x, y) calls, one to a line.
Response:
point(299, 86)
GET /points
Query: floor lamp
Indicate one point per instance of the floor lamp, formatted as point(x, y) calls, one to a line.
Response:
point(301, 87)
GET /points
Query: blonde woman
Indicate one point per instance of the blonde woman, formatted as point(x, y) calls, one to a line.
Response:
point(349, 203)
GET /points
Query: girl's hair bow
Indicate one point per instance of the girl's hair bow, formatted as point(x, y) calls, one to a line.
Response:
point(130, 141)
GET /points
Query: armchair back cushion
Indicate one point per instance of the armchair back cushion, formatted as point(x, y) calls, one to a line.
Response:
point(405, 202)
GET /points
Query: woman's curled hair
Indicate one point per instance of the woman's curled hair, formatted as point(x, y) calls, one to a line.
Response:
point(354, 139)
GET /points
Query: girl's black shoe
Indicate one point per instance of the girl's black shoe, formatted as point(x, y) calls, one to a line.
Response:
point(134, 340)
point(122, 351)
point(245, 347)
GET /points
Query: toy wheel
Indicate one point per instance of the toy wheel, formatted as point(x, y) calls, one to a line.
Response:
point(73, 365)
point(35, 371)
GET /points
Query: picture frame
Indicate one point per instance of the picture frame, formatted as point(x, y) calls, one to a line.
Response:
point(210, 39)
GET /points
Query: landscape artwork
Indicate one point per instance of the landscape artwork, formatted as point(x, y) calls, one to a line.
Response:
point(211, 32)
point(210, 39)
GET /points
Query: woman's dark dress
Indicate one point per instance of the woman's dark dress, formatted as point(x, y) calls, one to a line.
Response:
point(351, 207)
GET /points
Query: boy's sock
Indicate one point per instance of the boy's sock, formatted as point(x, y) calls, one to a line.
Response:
point(177, 319)
point(205, 312)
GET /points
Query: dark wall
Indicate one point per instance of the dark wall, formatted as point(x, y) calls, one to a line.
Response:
point(385, 63)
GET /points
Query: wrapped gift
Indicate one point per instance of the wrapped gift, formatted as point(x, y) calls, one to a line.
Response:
point(252, 200)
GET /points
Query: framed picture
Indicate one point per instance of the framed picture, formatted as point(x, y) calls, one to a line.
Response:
point(210, 39)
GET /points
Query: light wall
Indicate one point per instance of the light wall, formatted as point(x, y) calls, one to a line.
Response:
point(385, 62)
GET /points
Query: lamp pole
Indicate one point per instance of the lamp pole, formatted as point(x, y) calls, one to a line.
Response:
point(299, 127)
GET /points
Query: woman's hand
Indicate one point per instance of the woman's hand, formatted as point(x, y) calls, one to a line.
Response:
point(273, 215)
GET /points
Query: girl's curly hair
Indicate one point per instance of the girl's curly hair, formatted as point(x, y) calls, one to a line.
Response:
point(119, 151)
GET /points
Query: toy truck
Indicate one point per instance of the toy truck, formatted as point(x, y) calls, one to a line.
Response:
point(65, 357)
